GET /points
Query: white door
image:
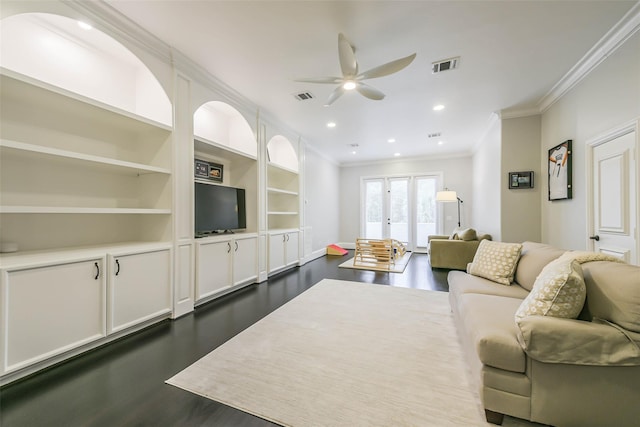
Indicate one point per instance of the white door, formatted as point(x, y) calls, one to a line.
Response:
point(401, 208)
point(291, 248)
point(386, 209)
point(614, 197)
point(49, 310)
point(213, 268)
point(140, 288)
point(245, 260)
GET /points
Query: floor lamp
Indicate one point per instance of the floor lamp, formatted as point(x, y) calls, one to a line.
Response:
point(447, 196)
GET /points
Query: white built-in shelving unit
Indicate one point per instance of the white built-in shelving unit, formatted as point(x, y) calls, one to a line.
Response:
point(85, 193)
point(228, 261)
point(63, 155)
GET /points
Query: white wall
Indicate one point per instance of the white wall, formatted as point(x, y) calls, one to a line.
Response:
point(322, 200)
point(487, 183)
point(456, 172)
point(521, 208)
point(606, 98)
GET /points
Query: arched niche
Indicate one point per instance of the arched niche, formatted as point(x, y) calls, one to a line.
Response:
point(56, 50)
point(222, 124)
point(282, 153)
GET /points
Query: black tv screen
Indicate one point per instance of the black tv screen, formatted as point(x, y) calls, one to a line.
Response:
point(219, 209)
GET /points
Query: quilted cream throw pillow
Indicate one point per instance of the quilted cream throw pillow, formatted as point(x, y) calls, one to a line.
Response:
point(496, 261)
point(559, 291)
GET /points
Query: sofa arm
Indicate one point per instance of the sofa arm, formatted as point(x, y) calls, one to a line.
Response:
point(557, 340)
point(452, 254)
point(436, 236)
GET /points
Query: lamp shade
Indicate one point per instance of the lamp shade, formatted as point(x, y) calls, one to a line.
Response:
point(446, 196)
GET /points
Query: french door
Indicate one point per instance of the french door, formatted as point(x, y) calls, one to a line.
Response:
point(401, 208)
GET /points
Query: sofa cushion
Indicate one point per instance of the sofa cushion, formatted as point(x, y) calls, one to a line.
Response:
point(462, 283)
point(532, 260)
point(488, 323)
point(559, 291)
point(496, 261)
point(613, 293)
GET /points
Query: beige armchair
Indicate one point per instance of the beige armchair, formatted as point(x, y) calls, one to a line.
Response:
point(455, 251)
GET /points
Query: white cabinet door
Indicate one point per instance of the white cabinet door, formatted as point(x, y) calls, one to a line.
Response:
point(50, 310)
point(245, 260)
point(139, 288)
point(214, 267)
point(276, 251)
point(291, 248)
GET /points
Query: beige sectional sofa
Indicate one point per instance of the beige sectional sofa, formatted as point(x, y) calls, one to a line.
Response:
point(556, 371)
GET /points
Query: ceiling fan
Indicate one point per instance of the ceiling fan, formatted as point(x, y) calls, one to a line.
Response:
point(351, 79)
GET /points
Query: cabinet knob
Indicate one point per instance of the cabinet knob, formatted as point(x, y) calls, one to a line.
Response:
point(236, 246)
point(97, 271)
point(228, 247)
point(118, 267)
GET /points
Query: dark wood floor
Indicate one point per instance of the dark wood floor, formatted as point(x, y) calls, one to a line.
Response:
point(122, 384)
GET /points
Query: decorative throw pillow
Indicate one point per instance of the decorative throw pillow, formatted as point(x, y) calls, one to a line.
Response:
point(467, 234)
point(496, 261)
point(559, 291)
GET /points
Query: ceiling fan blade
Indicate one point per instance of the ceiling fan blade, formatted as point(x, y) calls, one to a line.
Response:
point(337, 93)
point(369, 92)
point(320, 80)
point(348, 63)
point(388, 68)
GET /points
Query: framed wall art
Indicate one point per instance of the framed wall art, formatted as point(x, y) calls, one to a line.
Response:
point(559, 160)
point(208, 170)
point(520, 180)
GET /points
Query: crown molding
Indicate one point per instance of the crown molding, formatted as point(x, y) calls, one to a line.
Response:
point(104, 17)
point(609, 43)
point(518, 113)
point(456, 155)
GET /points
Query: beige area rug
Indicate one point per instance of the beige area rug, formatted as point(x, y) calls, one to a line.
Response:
point(345, 354)
point(397, 267)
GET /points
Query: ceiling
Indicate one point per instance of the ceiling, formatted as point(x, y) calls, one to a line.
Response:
point(512, 53)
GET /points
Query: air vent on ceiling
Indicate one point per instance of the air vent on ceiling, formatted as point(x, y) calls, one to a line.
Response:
point(304, 96)
point(445, 65)
point(435, 135)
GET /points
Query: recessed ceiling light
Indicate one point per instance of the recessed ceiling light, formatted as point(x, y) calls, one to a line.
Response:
point(438, 107)
point(349, 85)
point(396, 154)
point(331, 125)
point(353, 152)
point(391, 140)
point(84, 25)
point(440, 142)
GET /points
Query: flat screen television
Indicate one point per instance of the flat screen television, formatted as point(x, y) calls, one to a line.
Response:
point(219, 209)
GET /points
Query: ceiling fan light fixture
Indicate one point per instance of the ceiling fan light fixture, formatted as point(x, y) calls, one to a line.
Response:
point(349, 85)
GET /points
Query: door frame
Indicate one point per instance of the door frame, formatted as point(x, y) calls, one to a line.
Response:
point(611, 134)
point(412, 205)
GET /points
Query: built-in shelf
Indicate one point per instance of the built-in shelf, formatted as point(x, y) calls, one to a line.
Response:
point(281, 191)
point(283, 168)
point(79, 210)
point(216, 149)
point(16, 85)
point(115, 166)
point(281, 213)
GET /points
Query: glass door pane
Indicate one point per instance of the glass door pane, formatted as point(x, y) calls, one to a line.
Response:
point(373, 208)
point(399, 209)
point(425, 209)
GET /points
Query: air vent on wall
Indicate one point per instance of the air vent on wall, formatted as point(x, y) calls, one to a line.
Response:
point(304, 96)
point(445, 65)
point(435, 135)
